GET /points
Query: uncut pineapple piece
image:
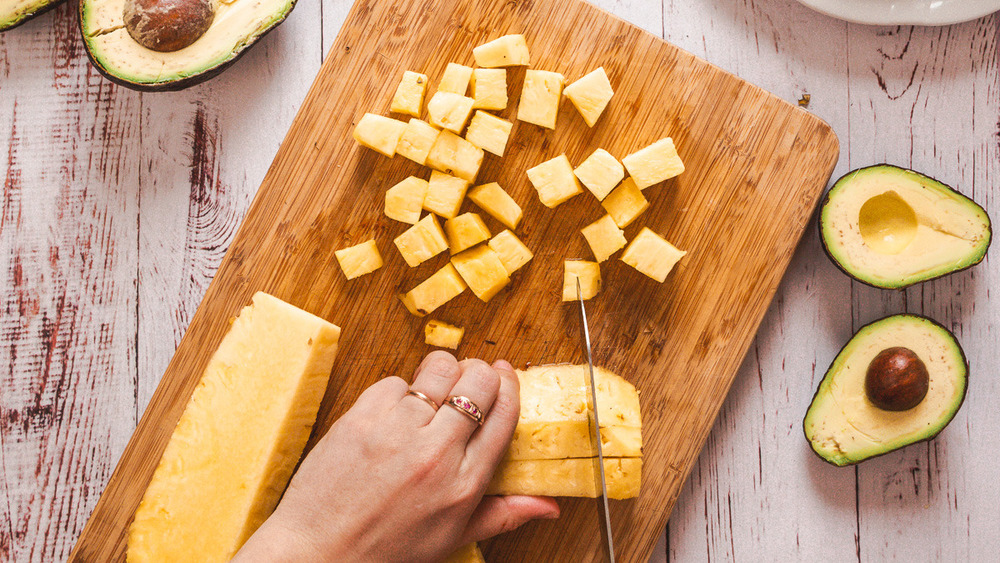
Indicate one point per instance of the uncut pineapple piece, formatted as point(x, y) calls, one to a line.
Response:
point(445, 194)
point(489, 132)
point(604, 237)
point(405, 200)
point(482, 270)
point(652, 255)
point(443, 286)
point(589, 274)
point(654, 164)
point(489, 88)
point(379, 133)
point(442, 335)
point(600, 173)
point(417, 140)
point(454, 155)
point(509, 50)
point(422, 241)
point(625, 203)
point(494, 200)
point(540, 96)
point(512, 252)
point(468, 553)
point(409, 97)
point(449, 111)
point(590, 94)
point(359, 259)
point(465, 231)
point(455, 79)
point(555, 181)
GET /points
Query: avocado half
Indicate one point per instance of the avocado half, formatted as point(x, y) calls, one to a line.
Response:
point(237, 25)
point(890, 227)
point(15, 12)
point(844, 427)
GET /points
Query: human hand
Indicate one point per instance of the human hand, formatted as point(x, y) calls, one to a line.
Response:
point(393, 480)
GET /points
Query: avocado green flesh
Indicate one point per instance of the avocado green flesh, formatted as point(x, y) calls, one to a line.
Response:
point(844, 427)
point(15, 12)
point(236, 26)
point(891, 227)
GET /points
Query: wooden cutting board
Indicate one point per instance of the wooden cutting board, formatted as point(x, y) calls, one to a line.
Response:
point(755, 169)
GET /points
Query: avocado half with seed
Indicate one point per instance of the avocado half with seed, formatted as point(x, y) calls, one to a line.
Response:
point(15, 12)
point(890, 227)
point(898, 381)
point(173, 44)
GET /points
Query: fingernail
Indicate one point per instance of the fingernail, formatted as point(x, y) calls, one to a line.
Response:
point(503, 364)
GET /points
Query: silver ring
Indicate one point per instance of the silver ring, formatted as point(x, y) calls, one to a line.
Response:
point(424, 398)
point(465, 406)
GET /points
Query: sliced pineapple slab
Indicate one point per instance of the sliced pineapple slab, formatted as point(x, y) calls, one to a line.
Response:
point(455, 79)
point(405, 200)
point(654, 164)
point(591, 94)
point(625, 203)
point(359, 259)
point(443, 286)
point(555, 181)
point(417, 140)
point(379, 133)
point(493, 199)
point(449, 111)
point(600, 173)
point(422, 241)
point(652, 255)
point(540, 97)
point(409, 97)
point(489, 88)
point(465, 231)
point(589, 274)
point(454, 155)
point(445, 194)
point(604, 237)
point(509, 50)
point(489, 132)
point(512, 252)
point(442, 335)
point(482, 270)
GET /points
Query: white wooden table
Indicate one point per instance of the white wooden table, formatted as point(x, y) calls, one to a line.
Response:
point(118, 207)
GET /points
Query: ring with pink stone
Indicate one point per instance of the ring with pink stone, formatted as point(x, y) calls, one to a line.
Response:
point(465, 406)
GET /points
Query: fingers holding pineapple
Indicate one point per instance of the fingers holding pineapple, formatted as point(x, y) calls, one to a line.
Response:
point(434, 379)
point(469, 400)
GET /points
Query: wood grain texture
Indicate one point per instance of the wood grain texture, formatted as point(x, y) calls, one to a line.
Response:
point(755, 169)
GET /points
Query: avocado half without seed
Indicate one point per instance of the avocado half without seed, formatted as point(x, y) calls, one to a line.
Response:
point(15, 12)
point(898, 381)
point(890, 227)
point(173, 44)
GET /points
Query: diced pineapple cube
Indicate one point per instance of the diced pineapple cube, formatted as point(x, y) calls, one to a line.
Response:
point(379, 133)
point(513, 253)
point(604, 237)
point(455, 155)
point(509, 50)
point(445, 194)
point(489, 132)
point(465, 231)
point(652, 255)
point(443, 286)
point(600, 172)
point(589, 274)
point(404, 201)
point(555, 181)
point(489, 88)
point(449, 111)
point(498, 203)
point(654, 164)
point(540, 97)
point(482, 269)
point(625, 203)
point(422, 241)
point(442, 335)
point(417, 140)
point(590, 94)
point(409, 96)
point(359, 259)
point(455, 79)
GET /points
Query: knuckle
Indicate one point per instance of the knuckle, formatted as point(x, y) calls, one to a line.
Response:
point(439, 364)
point(481, 375)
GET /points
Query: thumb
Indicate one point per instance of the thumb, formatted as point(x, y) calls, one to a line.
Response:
point(496, 515)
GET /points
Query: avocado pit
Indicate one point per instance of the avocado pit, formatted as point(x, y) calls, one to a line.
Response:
point(897, 379)
point(888, 224)
point(168, 25)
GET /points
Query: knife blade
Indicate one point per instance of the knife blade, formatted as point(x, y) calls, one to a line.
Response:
point(601, 483)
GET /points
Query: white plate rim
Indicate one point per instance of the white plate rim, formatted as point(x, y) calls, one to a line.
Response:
point(905, 12)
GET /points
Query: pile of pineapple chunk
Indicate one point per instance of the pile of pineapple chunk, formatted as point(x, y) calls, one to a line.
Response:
point(481, 261)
